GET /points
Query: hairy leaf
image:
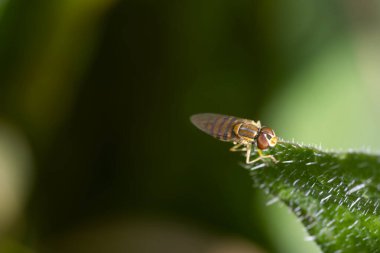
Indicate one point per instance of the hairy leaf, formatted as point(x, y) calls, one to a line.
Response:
point(335, 195)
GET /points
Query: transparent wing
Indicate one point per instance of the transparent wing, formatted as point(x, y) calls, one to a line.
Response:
point(216, 125)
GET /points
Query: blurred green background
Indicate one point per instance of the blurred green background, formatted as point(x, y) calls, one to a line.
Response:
point(97, 153)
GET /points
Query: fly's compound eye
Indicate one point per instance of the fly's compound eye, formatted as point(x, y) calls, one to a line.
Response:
point(267, 130)
point(262, 142)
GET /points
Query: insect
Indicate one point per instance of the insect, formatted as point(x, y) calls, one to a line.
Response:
point(245, 134)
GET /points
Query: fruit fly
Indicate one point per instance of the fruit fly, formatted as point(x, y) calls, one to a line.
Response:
point(243, 133)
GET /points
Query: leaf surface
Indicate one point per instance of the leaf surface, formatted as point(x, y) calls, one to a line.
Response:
point(335, 195)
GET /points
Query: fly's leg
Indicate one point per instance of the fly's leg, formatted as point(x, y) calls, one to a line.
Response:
point(248, 147)
point(248, 155)
point(261, 156)
point(237, 146)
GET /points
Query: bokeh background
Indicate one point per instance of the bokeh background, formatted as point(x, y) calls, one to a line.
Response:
point(97, 153)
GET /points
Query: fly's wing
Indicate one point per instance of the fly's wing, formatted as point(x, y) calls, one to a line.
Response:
point(216, 125)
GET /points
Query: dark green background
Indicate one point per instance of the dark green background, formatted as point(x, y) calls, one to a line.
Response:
point(102, 91)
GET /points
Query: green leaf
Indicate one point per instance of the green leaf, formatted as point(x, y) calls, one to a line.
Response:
point(335, 195)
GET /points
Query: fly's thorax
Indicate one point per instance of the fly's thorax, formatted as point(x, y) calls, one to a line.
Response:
point(246, 131)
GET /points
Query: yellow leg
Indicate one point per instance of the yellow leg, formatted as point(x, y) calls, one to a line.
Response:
point(248, 155)
point(248, 147)
point(236, 148)
point(261, 156)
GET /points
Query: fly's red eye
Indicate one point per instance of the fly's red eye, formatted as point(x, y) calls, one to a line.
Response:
point(265, 130)
point(262, 142)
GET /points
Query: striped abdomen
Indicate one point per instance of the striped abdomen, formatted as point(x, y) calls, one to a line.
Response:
point(216, 125)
